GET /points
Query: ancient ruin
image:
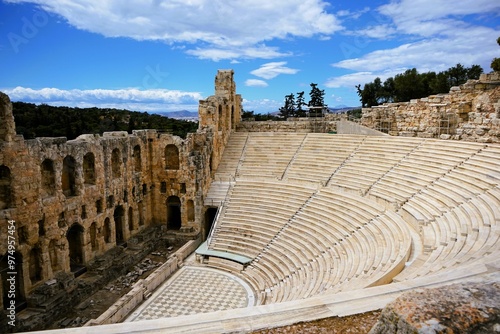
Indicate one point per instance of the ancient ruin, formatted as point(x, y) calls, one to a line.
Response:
point(313, 224)
point(73, 201)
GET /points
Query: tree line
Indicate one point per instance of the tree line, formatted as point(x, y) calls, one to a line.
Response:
point(413, 85)
point(49, 121)
point(294, 105)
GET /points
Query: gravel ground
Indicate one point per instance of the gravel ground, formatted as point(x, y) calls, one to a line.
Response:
point(355, 324)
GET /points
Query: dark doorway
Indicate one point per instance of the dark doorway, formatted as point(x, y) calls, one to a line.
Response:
point(119, 219)
point(209, 220)
point(75, 241)
point(18, 286)
point(174, 213)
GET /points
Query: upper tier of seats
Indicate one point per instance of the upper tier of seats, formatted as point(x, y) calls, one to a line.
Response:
point(321, 212)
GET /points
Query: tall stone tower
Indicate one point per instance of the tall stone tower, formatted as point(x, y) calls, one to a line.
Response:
point(7, 125)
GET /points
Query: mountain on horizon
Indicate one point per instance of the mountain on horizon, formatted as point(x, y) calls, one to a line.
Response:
point(178, 114)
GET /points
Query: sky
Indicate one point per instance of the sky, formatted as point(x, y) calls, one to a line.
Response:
point(163, 55)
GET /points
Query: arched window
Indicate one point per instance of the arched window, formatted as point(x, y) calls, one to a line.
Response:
point(69, 176)
point(174, 213)
point(5, 188)
point(48, 178)
point(171, 157)
point(137, 158)
point(89, 168)
point(116, 163)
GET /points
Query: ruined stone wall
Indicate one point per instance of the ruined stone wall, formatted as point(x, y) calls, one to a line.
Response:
point(469, 112)
point(72, 201)
point(305, 125)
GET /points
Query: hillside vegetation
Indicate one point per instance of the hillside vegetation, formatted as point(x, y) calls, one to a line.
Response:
point(48, 121)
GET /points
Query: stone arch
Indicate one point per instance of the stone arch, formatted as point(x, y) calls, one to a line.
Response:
point(137, 158)
point(5, 187)
point(48, 178)
point(174, 221)
point(130, 219)
point(68, 178)
point(54, 256)
point(35, 267)
point(190, 210)
point(18, 284)
point(89, 174)
point(93, 236)
point(116, 163)
point(219, 121)
point(119, 218)
point(107, 230)
point(75, 242)
point(171, 157)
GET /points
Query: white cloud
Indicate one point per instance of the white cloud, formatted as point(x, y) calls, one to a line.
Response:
point(255, 83)
point(262, 106)
point(273, 69)
point(130, 98)
point(436, 35)
point(217, 54)
point(232, 25)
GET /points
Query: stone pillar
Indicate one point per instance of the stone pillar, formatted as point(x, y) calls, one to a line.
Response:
point(7, 125)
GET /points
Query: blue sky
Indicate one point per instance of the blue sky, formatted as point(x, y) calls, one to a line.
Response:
point(154, 55)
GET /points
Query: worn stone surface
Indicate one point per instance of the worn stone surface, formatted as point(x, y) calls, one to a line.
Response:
point(458, 308)
point(74, 201)
point(470, 112)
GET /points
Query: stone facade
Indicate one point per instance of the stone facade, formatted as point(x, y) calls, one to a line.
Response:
point(469, 112)
point(73, 201)
point(305, 125)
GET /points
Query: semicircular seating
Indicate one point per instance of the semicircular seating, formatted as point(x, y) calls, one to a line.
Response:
point(320, 212)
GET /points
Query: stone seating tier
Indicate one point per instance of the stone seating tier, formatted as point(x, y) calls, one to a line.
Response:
point(332, 213)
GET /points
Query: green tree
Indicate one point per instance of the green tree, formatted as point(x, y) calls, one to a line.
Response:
point(300, 112)
point(316, 96)
point(288, 110)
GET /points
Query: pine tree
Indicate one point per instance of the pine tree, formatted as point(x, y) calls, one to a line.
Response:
point(288, 110)
point(316, 98)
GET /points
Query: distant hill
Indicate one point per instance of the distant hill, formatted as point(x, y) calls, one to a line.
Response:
point(180, 114)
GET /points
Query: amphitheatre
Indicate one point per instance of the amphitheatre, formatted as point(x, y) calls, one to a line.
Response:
point(283, 222)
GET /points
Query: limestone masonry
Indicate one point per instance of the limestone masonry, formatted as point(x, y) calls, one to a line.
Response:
point(469, 112)
point(72, 201)
point(96, 204)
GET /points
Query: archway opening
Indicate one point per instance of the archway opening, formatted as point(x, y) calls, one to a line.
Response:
point(69, 176)
point(75, 241)
point(12, 288)
point(119, 218)
point(116, 163)
point(48, 178)
point(174, 221)
point(171, 157)
point(210, 215)
point(35, 267)
point(137, 158)
point(89, 168)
